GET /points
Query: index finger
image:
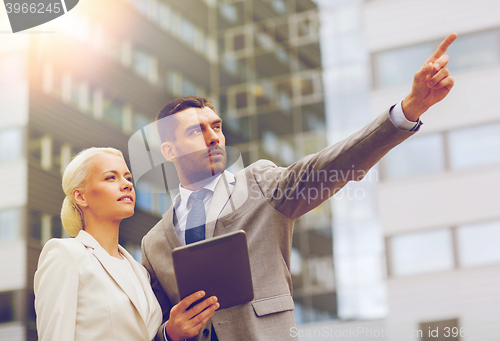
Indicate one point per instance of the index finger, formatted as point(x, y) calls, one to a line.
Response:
point(442, 47)
point(188, 300)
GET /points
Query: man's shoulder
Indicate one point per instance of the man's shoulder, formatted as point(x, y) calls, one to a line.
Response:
point(259, 166)
point(155, 232)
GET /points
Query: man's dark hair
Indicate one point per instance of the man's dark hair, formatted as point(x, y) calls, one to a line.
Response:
point(166, 127)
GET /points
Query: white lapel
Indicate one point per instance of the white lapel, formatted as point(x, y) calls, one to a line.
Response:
point(104, 258)
point(221, 196)
point(141, 274)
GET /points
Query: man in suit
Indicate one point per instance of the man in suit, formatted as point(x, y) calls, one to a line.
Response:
point(263, 200)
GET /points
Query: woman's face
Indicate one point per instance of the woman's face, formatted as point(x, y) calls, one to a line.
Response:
point(109, 193)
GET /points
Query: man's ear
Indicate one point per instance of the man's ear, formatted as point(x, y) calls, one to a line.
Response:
point(168, 151)
point(79, 197)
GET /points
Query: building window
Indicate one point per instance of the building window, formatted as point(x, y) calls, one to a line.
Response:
point(422, 252)
point(470, 51)
point(46, 228)
point(97, 104)
point(113, 113)
point(66, 92)
point(65, 156)
point(178, 85)
point(478, 244)
point(239, 40)
point(418, 155)
point(82, 97)
point(475, 146)
point(174, 83)
point(48, 79)
point(188, 32)
point(229, 12)
point(304, 27)
point(145, 65)
point(10, 144)
point(398, 66)
point(6, 307)
point(237, 130)
point(10, 224)
point(144, 196)
point(321, 272)
point(140, 121)
point(475, 50)
point(46, 151)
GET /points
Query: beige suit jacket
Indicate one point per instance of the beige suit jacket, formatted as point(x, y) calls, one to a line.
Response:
point(264, 200)
point(81, 295)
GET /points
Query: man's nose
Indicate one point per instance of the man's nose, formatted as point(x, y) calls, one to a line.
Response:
point(211, 137)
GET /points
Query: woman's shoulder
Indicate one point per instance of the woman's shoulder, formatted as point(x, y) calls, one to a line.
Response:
point(68, 249)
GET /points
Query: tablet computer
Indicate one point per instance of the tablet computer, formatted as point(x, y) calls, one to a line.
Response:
point(220, 266)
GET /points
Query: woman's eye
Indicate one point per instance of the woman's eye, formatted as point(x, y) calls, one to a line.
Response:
point(110, 177)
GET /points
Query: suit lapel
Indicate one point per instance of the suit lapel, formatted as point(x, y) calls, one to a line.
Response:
point(221, 196)
point(168, 219)
point(143, 280)
point(107, 263)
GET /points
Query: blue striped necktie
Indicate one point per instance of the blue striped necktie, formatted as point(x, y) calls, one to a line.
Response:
point(195, 225)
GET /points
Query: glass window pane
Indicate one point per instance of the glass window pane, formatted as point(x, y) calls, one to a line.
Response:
point(418, 155)
point(229, 12)
point(475, 146)
point(10, 144)
point(113, 113)
point(10, 224)
point(144, 196)
point(422, 252)
point(479, 243)
point(474, 50)
point(399, 66)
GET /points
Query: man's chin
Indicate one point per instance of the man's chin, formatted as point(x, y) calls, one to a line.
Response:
point(218, 167)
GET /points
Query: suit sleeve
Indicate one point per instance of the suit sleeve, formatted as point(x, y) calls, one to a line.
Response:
point(56, 292)
point(307, 183)
point(160, 294)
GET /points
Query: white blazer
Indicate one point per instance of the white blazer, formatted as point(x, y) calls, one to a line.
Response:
point(80, 294)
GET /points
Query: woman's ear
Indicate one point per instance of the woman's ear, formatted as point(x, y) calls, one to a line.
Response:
point(79, 197)
point(168, 151)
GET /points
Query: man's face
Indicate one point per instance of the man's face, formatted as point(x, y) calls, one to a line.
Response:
point(198, 148)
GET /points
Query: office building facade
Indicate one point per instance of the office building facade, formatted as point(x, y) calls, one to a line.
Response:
point(101, 72)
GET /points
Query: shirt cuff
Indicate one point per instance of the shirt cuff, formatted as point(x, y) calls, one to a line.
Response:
point(400, 121)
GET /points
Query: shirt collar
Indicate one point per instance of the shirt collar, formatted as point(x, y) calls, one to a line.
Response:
point(185, 193)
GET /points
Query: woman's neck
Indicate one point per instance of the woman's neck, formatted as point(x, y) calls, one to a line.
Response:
point(106, 233)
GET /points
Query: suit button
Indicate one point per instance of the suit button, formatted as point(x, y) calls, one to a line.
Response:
point(205, 332)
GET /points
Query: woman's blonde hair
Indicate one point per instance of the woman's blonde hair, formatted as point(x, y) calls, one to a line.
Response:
point(75, 177)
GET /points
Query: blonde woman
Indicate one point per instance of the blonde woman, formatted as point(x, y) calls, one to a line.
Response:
point(89, 287)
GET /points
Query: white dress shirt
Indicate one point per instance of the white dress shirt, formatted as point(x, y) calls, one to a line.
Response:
point(183, 209)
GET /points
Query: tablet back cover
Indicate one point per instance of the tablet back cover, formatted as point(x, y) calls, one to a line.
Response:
point(219, 266)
